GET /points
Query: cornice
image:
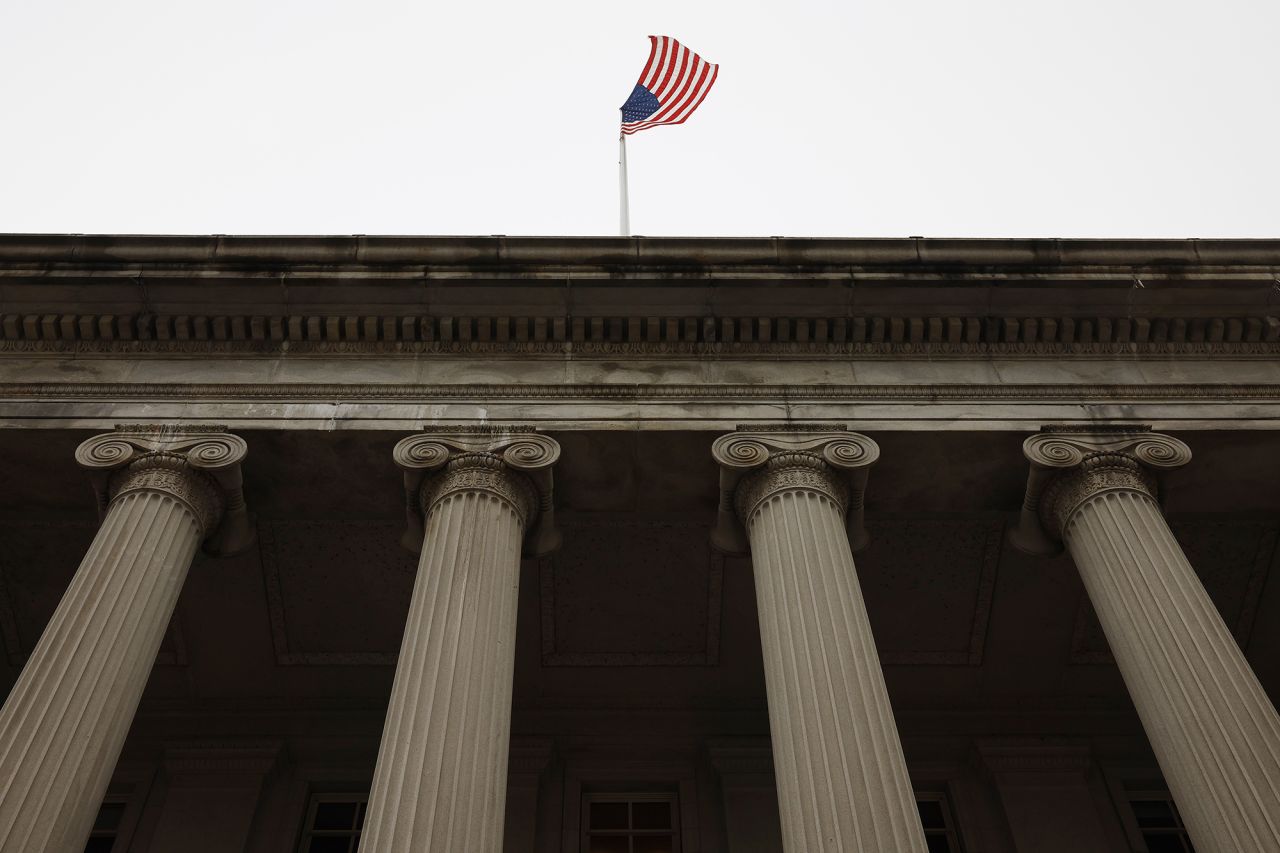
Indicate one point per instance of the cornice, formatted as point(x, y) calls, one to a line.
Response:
point(767, 334)
point(472, 392)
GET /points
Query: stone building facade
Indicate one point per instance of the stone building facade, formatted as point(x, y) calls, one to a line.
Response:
point(599, 545)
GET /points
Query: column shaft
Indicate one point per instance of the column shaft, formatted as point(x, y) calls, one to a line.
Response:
point(440, 782)
point(842, 779)
point(65, 722)
point(1214, 732)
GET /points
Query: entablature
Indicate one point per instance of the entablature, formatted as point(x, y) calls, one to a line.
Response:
point(610, 297)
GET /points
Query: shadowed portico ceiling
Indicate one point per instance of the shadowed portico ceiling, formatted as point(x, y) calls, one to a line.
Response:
point(953, 609)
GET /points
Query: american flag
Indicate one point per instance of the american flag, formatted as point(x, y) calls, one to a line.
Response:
point(673, 83)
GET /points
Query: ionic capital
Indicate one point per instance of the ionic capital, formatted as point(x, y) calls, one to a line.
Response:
point(509, 463)
point(198, 466)
point(757, 464)
point(1070, 465)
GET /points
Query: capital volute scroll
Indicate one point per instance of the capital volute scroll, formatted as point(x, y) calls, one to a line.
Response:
point(1072, 464)
point(197, 465)
point(511, 463)
point(759, 462)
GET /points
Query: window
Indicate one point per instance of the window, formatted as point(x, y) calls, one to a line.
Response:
point(1159, 823)
point(106, 826)
point(939, 826)
point(630, 823)
point(333, 823)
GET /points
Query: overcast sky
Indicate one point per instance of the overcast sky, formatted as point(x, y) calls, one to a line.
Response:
point(1138, 118)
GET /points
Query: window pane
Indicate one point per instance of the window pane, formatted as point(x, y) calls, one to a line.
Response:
point(335, 816)
point(1157, 843)
point(651, 815)
point(360, 816)
point(608, 816)
point(108, 818)
point(330, 844)
point(931, 814)
point(100, 845)
point(1152, 813)
point(654, 844)
point(938, 843)
point(607, 844)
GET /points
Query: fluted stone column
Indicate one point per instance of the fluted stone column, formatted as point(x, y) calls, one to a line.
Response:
point(842, 779)
point(163, 491)
point(440, 781)
point(1213, 730)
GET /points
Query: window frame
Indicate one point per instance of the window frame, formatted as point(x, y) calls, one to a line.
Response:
point(130, 786)
point(604, 775)
point(115, 834)
point(1162, 795)
point(951, 827)
point(671, 797)
point(314, 801)
point(1128, 783)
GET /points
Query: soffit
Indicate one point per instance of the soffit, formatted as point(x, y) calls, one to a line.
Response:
point(639, 613)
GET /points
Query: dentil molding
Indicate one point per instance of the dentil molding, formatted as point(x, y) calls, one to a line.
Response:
point(642, 335)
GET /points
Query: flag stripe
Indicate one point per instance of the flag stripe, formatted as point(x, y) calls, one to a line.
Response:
point(674, 104)
point(653, 51)
point(682, 109)
point(657, 66)
point(673, 52)
point(686, 106)
point(677, 60)
point(676, 78)
point(715, 69)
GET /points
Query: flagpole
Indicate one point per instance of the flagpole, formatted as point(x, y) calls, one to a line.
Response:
point(624, 205)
